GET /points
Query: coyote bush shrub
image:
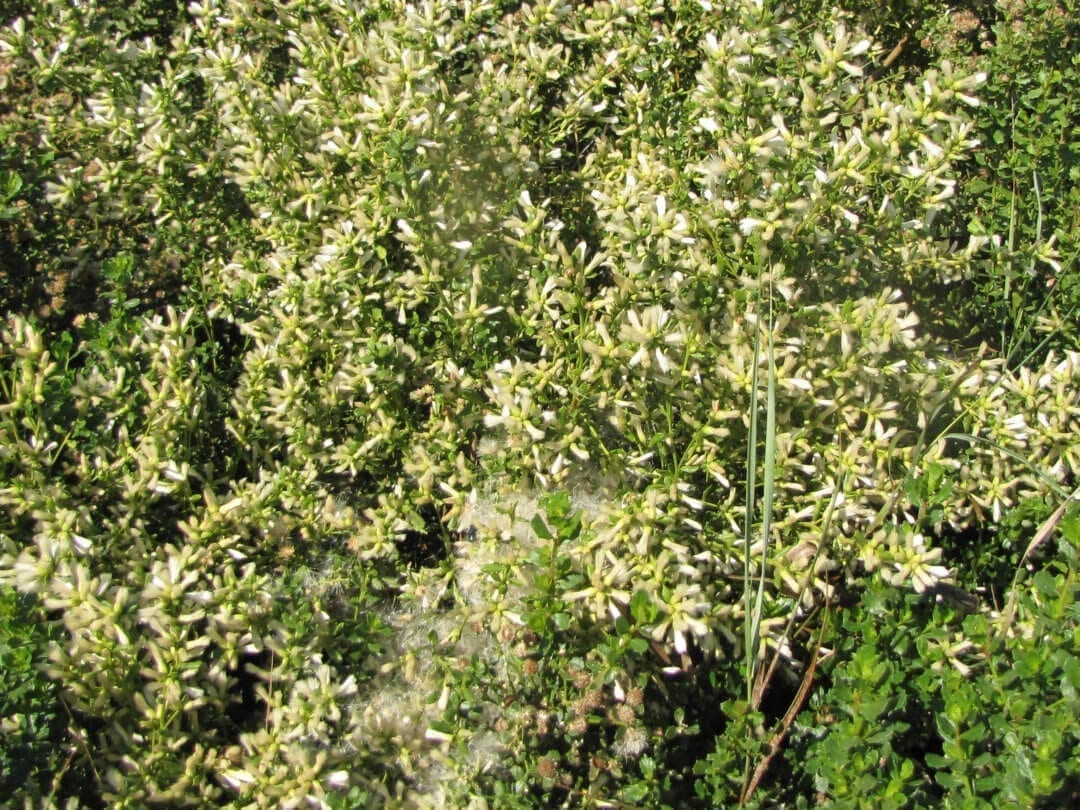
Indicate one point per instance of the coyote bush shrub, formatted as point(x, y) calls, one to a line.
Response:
point(364, 283)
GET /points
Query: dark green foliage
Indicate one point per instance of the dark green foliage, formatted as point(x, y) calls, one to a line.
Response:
point(1024, 181)
point(908, 715)
point(31, 718)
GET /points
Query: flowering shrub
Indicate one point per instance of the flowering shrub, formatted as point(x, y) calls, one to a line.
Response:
point(358, 283)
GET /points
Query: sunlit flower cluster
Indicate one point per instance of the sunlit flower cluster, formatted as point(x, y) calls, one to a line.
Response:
point(436, 252)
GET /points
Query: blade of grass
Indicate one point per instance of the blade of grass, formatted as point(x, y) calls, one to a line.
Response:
point(753, 600)
point(748, 520)
point(768, 490)
point(754, 604)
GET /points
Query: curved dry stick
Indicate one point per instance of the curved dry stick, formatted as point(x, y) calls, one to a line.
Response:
point(786, 721)
point(894, 54)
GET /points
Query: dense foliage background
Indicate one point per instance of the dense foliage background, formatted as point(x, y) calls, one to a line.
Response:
point(539, 404)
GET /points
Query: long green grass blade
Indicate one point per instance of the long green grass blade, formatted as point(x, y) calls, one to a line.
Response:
point(768, 491)
point(754, 597)
point(749, 628)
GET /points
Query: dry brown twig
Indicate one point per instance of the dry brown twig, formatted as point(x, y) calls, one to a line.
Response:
point(780, 734)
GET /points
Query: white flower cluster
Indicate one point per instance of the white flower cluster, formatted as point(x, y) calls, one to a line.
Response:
point(467, 245)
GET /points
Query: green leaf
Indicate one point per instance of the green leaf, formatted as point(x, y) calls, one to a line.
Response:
point(442, 726)
point(642, 607)
point(556, 505)
point(945, 725)
point(872, 706)
point(540, 529)
point(635, 793)
point(10, 186)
